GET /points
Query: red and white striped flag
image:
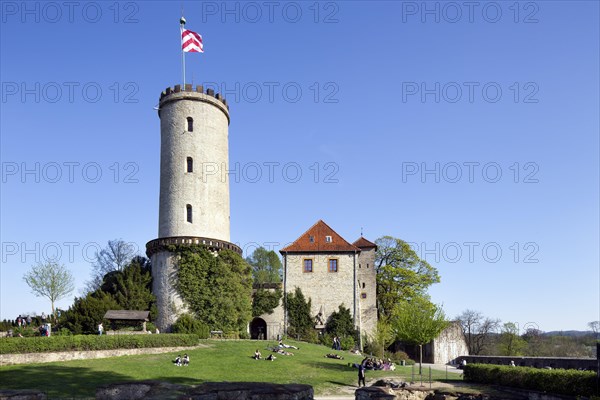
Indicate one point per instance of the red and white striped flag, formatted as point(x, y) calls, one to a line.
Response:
point(191, 42)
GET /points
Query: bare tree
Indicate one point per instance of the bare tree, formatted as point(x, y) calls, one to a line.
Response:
point(50, 280)
point(114, 257)
point(477, 329)
point(595, 327)
point(535, 341)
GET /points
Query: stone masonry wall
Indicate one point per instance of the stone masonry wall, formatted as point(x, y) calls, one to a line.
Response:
point(206, 189)
point(324, 288)
point(274, 321)
point(366, 291)
point(449, 345)
point(168, 302)
point(29, 358)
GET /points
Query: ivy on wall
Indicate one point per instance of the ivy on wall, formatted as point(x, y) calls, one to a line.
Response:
point(265, 301)
point(216, 288)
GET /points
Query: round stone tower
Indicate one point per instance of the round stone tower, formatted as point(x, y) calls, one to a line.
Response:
point(194, 189)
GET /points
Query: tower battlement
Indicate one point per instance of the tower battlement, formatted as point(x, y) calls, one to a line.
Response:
point(198, 93)
point(162, 244)
point(189, 88)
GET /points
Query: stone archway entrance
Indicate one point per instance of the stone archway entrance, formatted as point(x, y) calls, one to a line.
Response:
point(258, 329)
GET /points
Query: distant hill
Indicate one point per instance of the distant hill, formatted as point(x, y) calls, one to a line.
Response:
point(569, 333)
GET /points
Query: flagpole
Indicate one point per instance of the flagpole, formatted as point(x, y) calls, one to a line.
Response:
point(182, 25)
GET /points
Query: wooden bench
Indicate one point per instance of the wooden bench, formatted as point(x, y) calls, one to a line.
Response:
point(216, 334)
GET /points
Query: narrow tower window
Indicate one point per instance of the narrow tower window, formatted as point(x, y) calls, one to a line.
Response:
point(190, 124)
point(189, 213)
point(190, 164)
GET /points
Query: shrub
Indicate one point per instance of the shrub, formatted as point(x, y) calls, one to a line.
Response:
point(190, 325)
point(372, 348)
point(557, 381)
point(347, 342)
point(301, 324)
point(93, 342)
point(63, 332)
point(25, 332)
point(340, 323)
point(326, 339)
point(231, 335)
point(6, 325)
point(87, 312)
point(400, 356)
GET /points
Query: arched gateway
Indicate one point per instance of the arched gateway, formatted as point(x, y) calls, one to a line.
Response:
point(258, 329)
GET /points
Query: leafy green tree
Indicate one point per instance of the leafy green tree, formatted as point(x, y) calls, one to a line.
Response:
point(51, 280)
point(87, 312)
point(401, 274)
point(217, 289)
point(300, 322)
point(265, 301)
point(384, 334)
point(511, 344)
point(418, 321)
point(340, 323)
point(132, 287)
point(266, 266)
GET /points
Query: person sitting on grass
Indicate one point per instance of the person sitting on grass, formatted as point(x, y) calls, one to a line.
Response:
point(287, 346)
point(271, 358)
point(257, 355)
point(177, 361)
point(186, 360)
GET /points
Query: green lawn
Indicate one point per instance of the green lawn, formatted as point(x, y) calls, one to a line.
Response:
point(218, 360)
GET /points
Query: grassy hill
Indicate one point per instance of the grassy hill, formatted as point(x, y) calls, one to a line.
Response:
point(215, 360)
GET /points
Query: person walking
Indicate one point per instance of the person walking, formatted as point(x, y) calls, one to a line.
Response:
point(100, 329)
point(361, 375)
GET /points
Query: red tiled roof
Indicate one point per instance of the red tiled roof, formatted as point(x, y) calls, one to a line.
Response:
point(363, 243)
point(318, 232)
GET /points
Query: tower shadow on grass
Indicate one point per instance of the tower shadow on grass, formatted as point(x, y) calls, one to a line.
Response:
point(72, 382)
point(332, 366)
point(59, 381)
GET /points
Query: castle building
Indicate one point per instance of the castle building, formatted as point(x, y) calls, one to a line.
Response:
point(331, 272)
point(194, 198)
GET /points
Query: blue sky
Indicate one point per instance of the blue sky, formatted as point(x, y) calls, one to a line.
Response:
point(472, 133)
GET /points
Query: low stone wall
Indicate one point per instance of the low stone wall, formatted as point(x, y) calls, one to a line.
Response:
point(590, 364)
point(379, 393)
point(7, 394)
point(29, 358)
point(205, 391)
